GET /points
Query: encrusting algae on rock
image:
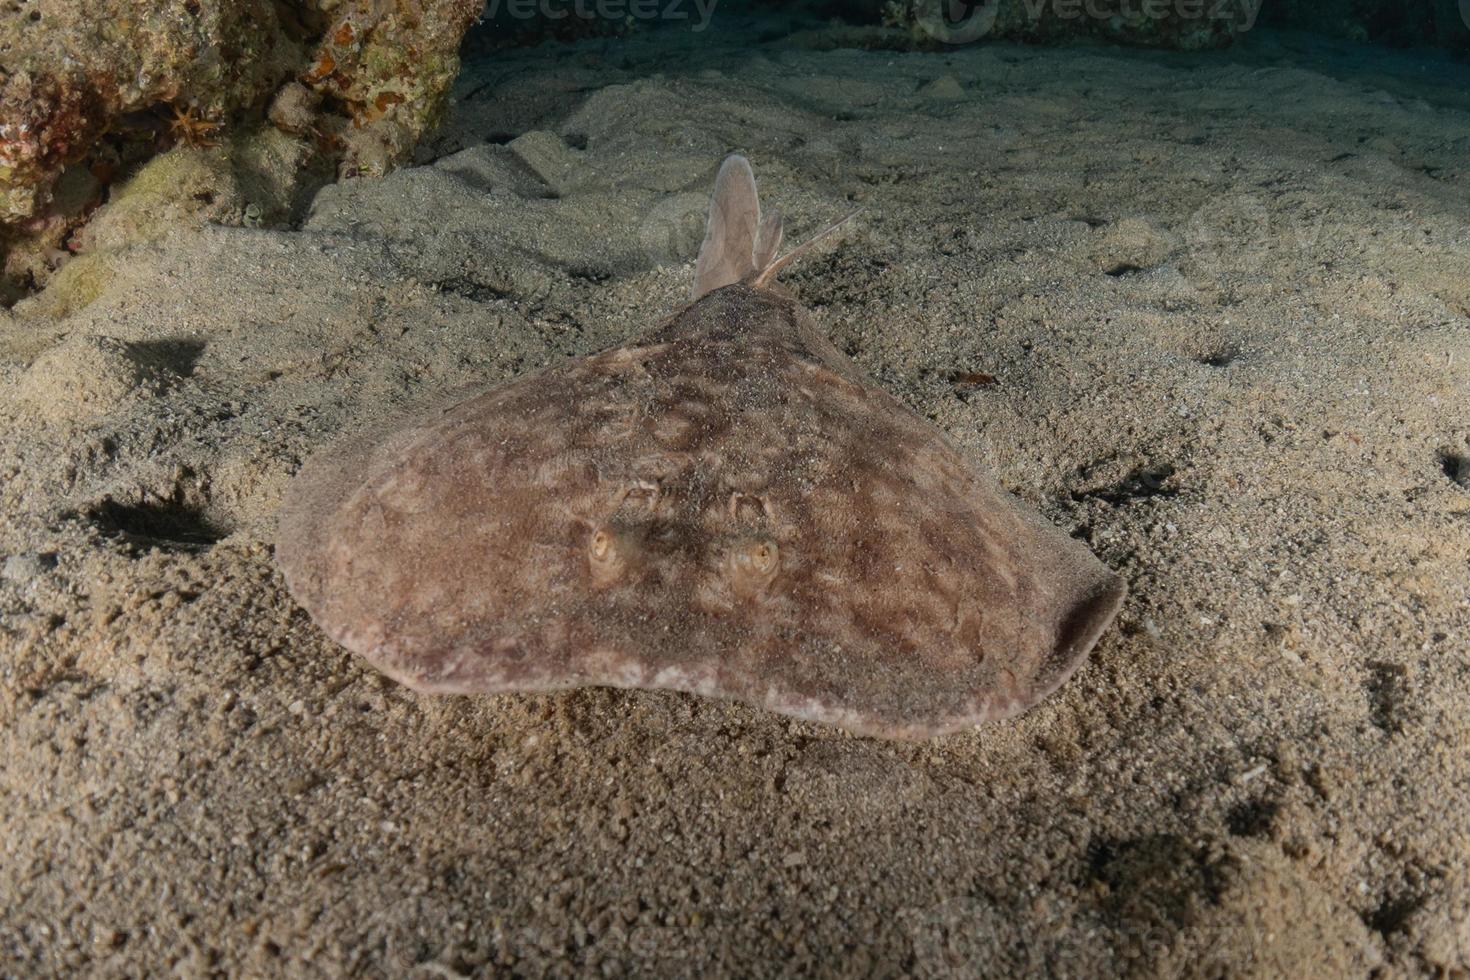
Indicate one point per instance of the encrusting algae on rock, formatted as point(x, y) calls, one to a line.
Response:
point(92, 89)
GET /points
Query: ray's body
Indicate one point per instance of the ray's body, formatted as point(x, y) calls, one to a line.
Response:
point(725, 506)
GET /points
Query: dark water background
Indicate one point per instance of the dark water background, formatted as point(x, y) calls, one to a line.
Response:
point(1428, 28)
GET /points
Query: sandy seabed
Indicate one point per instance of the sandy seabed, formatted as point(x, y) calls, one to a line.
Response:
point(1226, 301)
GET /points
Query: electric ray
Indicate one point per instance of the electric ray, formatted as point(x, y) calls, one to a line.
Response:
point(725, 506)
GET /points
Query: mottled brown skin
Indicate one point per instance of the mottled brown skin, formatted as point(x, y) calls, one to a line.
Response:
point(726, 506)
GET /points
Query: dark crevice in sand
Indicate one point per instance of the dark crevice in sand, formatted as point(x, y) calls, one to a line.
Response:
point(1140, 484)
point(1252, 818)
point(1388, 695)
point(1455, 466)
point(165, 525)
point(1221, 358)
point(1393, 914)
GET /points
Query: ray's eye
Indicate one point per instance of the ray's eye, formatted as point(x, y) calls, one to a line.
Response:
point(613, 555)
point(764, 556)
point(753, 565)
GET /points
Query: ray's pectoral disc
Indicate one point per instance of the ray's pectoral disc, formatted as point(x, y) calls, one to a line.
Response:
point(727, 506)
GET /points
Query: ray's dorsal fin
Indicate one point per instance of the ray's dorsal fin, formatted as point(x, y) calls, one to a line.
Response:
point(740, 243)
point(728, 253)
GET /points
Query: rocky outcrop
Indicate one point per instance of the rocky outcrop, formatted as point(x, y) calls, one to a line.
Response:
point(92, 89)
